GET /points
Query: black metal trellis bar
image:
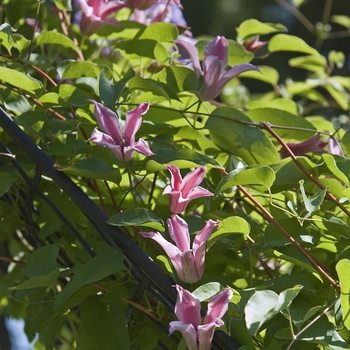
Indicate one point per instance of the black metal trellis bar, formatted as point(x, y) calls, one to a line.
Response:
point(112, 234)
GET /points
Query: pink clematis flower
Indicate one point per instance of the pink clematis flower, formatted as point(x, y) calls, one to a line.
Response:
point(188, 263)
point(121, 143)
point(95, 13)
point(215, 74)
point(182, 191)
point(187, 309)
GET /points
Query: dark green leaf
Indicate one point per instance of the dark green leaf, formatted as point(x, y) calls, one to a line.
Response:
point(105, 263)
point(105, 324)
point(230, 129)
point(7, 178)
point(93, 168)
point(137, 217)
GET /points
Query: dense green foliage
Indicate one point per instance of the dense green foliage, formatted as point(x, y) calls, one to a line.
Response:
point(276, 161)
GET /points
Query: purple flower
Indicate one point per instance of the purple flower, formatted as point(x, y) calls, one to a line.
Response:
point(215, 74)
point(183, 190)
point(188, 263)
point(121, 143)
point(95, 13)
point(187, 309)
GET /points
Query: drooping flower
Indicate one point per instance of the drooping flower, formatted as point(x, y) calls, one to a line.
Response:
point(187, 309)
point(95, 13)
point(121, 143)
point(311, 145)
point(215, 74)
point(183, 190)
point(188, 263)
point(254, 44)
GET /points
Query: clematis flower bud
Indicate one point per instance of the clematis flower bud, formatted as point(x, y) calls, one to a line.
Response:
point(182, 191)
point(187, 309)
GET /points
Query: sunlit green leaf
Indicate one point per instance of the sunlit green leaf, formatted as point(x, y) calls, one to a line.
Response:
point(55, 38)
point(343, 268)
point(267, 74)
point(252, 27)
point(159, 31)
point(341, 20)
point(19, 80)
point(285, 42)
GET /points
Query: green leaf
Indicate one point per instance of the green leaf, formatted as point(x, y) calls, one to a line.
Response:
point(73, 95)
point(110, 91)
point(207, 290)
point(42, 261)
point(19, 80)
point(177, 79)
point(285, 42)
point(230, 226)
point(93, 168)
point(311, 63)
point(181, 157)
point(106, 262)
point(52, 99)
point(150, 85)
point(277, 117)
point(144, 48)
point(7, 178)
point(64, 5)
point(343, 268)
point(228, 130)
point(313, 203)
point(267, 74)
point(265, 304)
point(331, 166)
point(283, 104)
point(252, 27)
point(49, 280)
point(105, 324)
point(137, 217)
point(341, 20)
point(307, 234)
point(159, 31)
point(55, 38)
point(259, 175)
point(78, 69)
point(338, 93)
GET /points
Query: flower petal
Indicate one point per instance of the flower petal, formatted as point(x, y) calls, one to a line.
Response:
point(101, 139)
point(178, 230)
point(108, 121)
point(205, 336)
point(193, 52)
point(218, 306)
point(133, 122)
point(187, 331)
point(191, 180)
point(218, 48)
point(199, 245)
point(190, 273)
point(142, 147)
point(170, 249)
point(198, 192)
point(188, 307)
point(176, 179)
